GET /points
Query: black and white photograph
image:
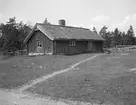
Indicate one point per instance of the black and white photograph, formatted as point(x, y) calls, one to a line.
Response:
point(67, 52)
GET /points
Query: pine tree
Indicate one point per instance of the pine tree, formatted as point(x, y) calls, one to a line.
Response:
point(46, 21)
point(94, 30)
point(106, 35)
point(130, 32)
point(103, 31)
point(116, 38)
point(130, 36)
point(123, 38)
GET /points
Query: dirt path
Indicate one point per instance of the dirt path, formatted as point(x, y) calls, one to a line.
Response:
point(11, 98)
point(17, 97)
point(41, 79)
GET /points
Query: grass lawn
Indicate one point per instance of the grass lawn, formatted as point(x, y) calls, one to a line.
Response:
point(106, 79)
point(16, 71)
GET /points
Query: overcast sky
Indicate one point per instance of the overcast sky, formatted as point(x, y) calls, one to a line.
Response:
point(85, 13)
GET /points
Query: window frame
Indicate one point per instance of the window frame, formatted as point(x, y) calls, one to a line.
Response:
point(39, 43)
point(72, 43)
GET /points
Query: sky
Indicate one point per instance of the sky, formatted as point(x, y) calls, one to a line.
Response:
point(81, 13)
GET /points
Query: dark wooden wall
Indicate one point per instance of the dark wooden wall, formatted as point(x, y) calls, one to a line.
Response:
point(62, 47)
point(81, 46)
point(97, 46)
point(32, 43)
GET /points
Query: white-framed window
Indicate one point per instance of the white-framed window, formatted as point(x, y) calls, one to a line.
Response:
point(72, 43)
point(39, 43)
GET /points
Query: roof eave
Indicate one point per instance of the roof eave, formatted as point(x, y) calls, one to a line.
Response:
point(79, 39)
point(27, 38)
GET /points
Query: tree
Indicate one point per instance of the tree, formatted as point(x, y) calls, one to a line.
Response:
point(46, 21)
point(116, 38)
point(94, 30)
point(106, 35)
point(10, 36)
point(24, 30)
point(130, 36)
point(1, 39)
point(130, 31)
point(108, 39)
point(13, 35)
point(103, 31)
point(117, 35)
point(12, 20)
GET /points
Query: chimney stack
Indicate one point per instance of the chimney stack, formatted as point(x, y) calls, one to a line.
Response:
point(62, 22)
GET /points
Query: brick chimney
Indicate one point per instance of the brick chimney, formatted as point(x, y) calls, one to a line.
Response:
point(62, 22)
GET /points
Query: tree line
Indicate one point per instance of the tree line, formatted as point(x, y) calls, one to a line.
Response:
point(13, 34)
point(116, 37)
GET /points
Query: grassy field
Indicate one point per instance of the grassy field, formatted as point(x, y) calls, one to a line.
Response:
point(16, 71)
point(106, 79)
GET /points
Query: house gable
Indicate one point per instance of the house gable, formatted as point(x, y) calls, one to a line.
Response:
point(38, 36)
point(36, 28)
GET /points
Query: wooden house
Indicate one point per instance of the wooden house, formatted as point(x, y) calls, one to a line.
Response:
point(62, 39)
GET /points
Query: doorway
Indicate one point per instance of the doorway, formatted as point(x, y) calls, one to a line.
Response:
point(39, 47)
point(90, 46)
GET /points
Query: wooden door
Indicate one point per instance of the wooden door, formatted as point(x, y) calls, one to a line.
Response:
point(39, 47)
point(90, 46)
point(72, 46)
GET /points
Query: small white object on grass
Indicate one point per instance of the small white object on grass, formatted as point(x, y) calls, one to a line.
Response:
point(40, 67)
point(133, 69)
point(125, 54)
point(15, 66)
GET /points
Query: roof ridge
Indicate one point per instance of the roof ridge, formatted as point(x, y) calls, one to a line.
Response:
point(64, 26)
